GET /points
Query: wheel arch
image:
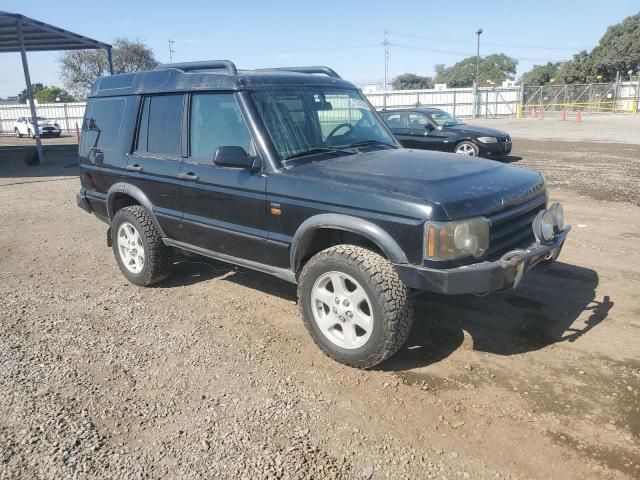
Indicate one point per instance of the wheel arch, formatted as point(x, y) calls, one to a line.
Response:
point(118, 195)
point(373, 233)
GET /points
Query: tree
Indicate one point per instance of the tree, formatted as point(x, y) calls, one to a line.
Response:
point(53, 94)
point(576, 70)
point(410, 81)
point(36, 87)
point(80, 68)
point(540, 74)
point(497, 68)
point(617, 51)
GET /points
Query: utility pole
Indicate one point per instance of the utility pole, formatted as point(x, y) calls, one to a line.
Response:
point(475, 83)
point(171, 50)
point(386, 70)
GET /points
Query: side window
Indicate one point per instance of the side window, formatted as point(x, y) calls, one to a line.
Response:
point(102, 122)
point(417, 120)
point(216, 121)
point(160, 127)
point(392, 119)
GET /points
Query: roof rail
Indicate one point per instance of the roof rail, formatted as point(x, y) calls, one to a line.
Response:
point(206, 65)
point(326, 70)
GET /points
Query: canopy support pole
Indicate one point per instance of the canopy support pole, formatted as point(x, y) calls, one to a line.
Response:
point(27, 79)
point(110, 60)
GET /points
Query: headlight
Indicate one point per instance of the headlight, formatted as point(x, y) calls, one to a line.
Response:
point(451, 240)
point(488, 139)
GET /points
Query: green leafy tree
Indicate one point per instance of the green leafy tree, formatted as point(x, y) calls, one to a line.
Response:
point(22, 96)
point(53, 94)
point(410, 81)
point(497, 68)
point(617, 51)
point(80, 68)
point(540, 74)
point(576, 70)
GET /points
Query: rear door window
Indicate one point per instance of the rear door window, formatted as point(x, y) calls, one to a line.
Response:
point(160, 127)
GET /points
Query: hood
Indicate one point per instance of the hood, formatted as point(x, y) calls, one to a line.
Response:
point(475, 130)
point(462, 186)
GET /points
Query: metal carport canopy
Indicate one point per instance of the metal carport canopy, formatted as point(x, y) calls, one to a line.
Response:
point(23, 34)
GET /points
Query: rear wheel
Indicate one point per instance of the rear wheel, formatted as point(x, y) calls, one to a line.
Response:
point(32, 133)
point(467, 148)
point(141, 255)
point(354, 305)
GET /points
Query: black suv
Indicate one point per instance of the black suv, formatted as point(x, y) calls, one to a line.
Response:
point(435, 129)
point(291, 172)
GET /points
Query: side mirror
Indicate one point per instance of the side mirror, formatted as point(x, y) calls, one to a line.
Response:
point(429, 127)
point(235, 157)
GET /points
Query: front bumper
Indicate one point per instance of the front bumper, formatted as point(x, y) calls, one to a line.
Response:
point(484, 277)
point(495, 149)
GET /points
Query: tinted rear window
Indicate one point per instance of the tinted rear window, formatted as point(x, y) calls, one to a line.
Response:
point(102, 123)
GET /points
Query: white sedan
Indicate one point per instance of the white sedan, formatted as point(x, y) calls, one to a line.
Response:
point(48, 128)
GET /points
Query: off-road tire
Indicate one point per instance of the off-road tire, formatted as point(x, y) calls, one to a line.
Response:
point(392, 307)
point(158, 262)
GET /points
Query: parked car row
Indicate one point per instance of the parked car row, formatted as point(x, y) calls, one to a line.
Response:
point(48, 128)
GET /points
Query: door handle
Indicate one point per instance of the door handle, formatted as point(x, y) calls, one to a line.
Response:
point(188, 176)
point(135, 167)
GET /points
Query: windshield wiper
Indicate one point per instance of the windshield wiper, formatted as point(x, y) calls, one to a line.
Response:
point(370, 142)
point(316, 151)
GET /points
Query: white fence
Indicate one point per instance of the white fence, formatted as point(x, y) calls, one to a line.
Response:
point(491, 102)
point(67, 114)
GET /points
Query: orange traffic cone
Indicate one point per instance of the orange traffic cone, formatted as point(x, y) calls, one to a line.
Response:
point(563, 116)
point(578, 117)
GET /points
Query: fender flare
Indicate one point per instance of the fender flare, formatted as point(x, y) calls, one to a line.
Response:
point(347, 223)
point(135, 193)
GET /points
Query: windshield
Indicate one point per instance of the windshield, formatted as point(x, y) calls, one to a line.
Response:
point(317, 119)
point(443, 119)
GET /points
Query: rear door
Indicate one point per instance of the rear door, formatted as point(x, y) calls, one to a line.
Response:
point(155, 162)
point(224, 208)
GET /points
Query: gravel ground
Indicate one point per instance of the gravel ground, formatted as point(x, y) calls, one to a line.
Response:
point(593, 128)
point(212, 375)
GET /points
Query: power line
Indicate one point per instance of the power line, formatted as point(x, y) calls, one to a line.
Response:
point(465, 42)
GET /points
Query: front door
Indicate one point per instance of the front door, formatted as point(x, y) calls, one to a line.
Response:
point(223, 207)
point(423, 133)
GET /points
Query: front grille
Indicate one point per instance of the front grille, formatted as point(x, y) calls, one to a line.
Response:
point(511, 228)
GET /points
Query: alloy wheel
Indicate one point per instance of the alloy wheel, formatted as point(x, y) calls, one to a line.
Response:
point(342, 310)
point(130, 248)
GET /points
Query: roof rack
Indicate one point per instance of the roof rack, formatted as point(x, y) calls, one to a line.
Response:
point(228, 65)
point(326, 70)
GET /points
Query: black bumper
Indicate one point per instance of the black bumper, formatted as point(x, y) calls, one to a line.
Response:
point(495, 149)
point(81, 201)
point(484, 277)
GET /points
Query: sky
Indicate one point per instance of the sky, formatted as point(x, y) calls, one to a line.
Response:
point(346, 35)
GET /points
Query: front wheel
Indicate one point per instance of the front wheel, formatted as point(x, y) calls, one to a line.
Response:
point(354, 305)
point(467, 148)
point(18, 134)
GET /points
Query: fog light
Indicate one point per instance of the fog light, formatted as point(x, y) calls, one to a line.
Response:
point(558, 215)
point(543, 226)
